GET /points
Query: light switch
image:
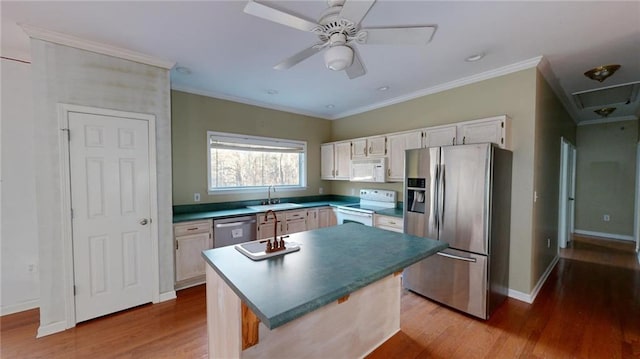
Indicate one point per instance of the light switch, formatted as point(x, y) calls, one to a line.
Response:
point(196, 197)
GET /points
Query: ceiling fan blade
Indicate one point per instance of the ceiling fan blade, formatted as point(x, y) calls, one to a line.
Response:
point(300, 56)
point(399, 35)
point(356, 10)
point(357, 68)
point(279, 16)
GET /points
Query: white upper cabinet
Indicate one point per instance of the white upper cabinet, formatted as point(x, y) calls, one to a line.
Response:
point(396, 145)
point(335, 160)
point(494, 129)
point(375, 146)
point(439, 136)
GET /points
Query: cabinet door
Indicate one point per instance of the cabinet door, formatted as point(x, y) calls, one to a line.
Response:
point(312, 218)
point(389, 223)
point(396, 145)
point(440, 136)
point(359, 148)
point(377, 146)
point(265, 230)
point(327, 166)
point(327, 217)
point(295, 226)
point(342, 160)
point(482, 131)
point(189, 262)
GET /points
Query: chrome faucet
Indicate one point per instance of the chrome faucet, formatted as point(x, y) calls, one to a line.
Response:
point(269, 193)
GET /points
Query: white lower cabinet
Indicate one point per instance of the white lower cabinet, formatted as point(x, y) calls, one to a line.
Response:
point(327, 217)
point(191, 238)
point(389, 223)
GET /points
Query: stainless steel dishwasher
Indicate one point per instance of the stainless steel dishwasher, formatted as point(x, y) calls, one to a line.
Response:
point(234, 230)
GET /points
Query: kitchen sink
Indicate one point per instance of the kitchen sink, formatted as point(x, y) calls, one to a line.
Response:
point(275, 207)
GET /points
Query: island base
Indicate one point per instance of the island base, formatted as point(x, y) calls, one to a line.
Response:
point(351, 327)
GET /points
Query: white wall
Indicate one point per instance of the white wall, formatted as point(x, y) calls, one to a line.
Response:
point(20, 288)
point(67, 75)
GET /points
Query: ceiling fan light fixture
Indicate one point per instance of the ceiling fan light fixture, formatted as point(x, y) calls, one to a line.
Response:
point(601, 73)
point(338, 57)
point(605, 111)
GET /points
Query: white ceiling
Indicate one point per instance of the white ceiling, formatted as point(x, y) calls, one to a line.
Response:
point(231, 54)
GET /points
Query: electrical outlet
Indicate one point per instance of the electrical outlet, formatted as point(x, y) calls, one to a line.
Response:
point(606, 218)
point(320, 190)
point(353, 191)
point(196, 197)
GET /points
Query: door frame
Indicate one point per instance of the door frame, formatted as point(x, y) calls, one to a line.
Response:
point(65, 188)
point(636, 222)
point(566, 149)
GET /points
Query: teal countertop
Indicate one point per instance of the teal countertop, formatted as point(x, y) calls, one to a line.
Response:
point(331, 263)
point(204, 214)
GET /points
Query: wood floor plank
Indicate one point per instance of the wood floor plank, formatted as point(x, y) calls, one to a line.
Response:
point(588, 308)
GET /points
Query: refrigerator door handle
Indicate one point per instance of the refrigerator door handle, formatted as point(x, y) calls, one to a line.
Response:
point(435, 200)
point(452, 256)
point(441, 191)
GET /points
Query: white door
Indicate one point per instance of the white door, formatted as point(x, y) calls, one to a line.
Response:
point(566, 201)
point(110, 200)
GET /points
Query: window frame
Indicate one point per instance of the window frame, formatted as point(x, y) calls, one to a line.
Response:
point(256, 140)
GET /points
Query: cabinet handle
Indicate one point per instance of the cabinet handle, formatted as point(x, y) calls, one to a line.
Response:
point(190, 229)
point(388, 171)
point(177, 245)
point(370, 149)
point(453, 140)
point(464, 138)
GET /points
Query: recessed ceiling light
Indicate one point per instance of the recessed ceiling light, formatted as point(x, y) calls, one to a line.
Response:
point(475, 57)
point(272, 92)
point(605, 111)
point(383, 88)
point(183, 70)
point(330, 105)
point(601, 73)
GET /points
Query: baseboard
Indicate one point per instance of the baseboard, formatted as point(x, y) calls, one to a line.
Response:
point(531, 297)
point(620, 237)
point(19, 307)
point(51, 329)
point(167, 296)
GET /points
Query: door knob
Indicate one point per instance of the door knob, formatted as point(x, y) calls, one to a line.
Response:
point(144, 221)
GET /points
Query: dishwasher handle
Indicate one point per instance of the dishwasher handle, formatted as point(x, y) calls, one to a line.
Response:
point(234, 224)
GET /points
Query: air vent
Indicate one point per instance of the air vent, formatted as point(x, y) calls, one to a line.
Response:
point(607, 96)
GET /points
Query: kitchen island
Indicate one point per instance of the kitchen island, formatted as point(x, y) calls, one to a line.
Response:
point(338, 296)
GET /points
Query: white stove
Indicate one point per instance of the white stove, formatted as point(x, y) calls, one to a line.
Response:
point(371, 200)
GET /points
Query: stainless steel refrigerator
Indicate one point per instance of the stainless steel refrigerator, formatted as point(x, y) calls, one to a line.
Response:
point(460, 195)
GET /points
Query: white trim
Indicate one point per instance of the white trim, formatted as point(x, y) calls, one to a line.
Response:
point(20, 307)
point(530, 298)
point(607, 120)
point(168, 296)
point(621, 237)
point(636, 220)
point(52, 328)
point(100, 48)
point(246, 101)
point(65, 188)
point(505, 70)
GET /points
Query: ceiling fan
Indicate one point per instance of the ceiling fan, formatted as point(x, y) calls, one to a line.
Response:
point(338, 29)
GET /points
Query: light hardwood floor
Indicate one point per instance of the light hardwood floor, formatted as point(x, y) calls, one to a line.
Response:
point(589, 308)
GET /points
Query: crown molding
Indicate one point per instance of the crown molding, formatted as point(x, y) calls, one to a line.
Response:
point(224, 96)
point(554, 83)
point(501, 71)
point(607, 120)
point(83, 44)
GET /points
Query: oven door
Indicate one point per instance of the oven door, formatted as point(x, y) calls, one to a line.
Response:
point(350, 216)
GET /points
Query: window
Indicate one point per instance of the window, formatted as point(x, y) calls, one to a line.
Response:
point(244, 163)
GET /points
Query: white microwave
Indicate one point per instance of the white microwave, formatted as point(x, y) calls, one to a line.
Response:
point(369, 170)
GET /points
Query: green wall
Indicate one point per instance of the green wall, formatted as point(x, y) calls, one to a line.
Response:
point(606, 171)
point(513, 94)
point(193, 115)
point(552, 123)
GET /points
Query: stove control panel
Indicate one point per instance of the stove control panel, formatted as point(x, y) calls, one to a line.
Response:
point(379, 195)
